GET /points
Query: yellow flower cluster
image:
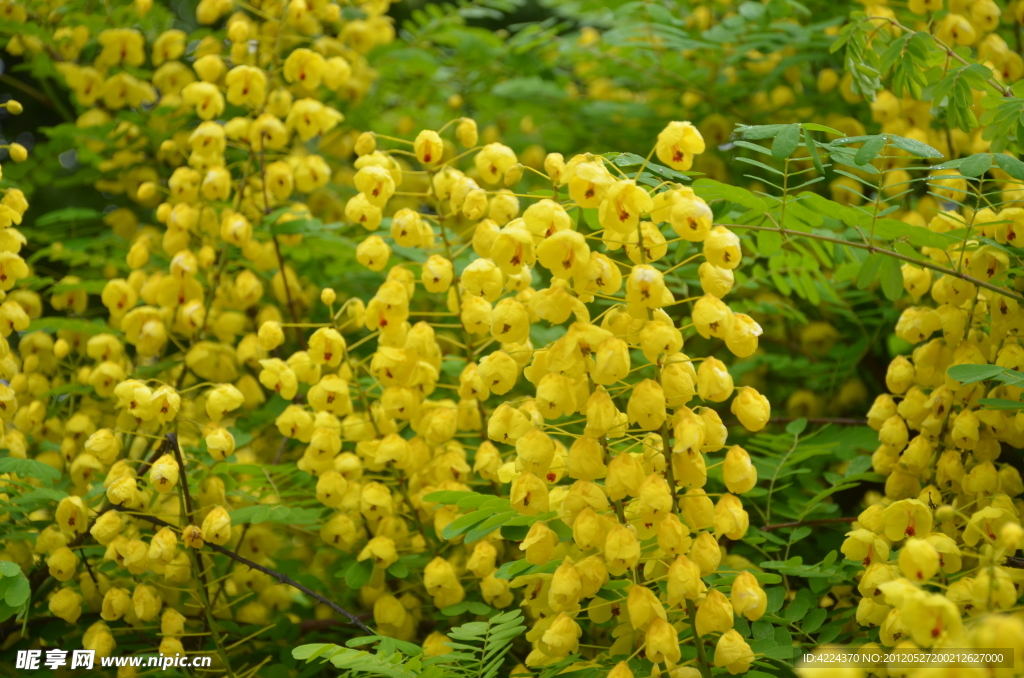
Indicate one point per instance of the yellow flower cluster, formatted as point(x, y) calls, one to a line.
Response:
point(935, 545)
point(636, 507)
point(285, 60)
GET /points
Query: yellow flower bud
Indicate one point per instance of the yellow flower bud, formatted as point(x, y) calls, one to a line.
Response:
point(466, 132)
point(740, 475)
point(706, 553)
point(715, 614)
point(714, 382)
point(529, 495)
point(647, 405)
point(733, 653)
point(539, 544)
point(163, 475)
point(18, 152)
point(663, 643)
point(566, 587)
point(62, 564)
point(66, 604)
point(116, 603)
point(622, 549)
point(216, 527)
point(752, 409)
point(747, 597)
point(722, 248)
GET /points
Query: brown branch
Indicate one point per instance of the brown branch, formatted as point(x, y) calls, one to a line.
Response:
point(283, 578)
point(801, 523)
point(890, 253)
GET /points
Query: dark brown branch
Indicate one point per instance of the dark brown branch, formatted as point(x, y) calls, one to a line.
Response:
point(801, 523)
point(283, 578)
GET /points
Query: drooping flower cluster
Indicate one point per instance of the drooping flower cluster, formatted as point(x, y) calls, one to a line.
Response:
point(935, 545)
point(618, 495)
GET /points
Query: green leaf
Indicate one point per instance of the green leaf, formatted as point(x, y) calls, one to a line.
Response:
point(913, 146)
point(261, 513)
point(456, 609)
point(869, 270)
point(769, 242)
point(55, 324)
point(812, 150)
point(756, 132)
point(358, 574)
point(976, 165)
point(796, 427)
point(870, 150)
point(28, 468)
point(68, 215)
point(1010, 165)
point(786, 141)
point(815, 127)
point(16, 590)
point(813, 620)
point(892, 278)
point(461, 524)
point(512, 569)
point(780, 652)
point(969, 374)
point(709, 189)
point(1000, 404)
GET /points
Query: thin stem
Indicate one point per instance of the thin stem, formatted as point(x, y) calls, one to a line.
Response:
point(872, 249)
point(801, 523)
point(702, 656)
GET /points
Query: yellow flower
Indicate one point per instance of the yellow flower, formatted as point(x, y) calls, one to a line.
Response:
point(529, 495)
point(714, 382)
point(163, 475)
point(646, 405)
point(730, 518)
point(62, 564)
point(566, 587)
point(691, 218)
point(67, 605)
point(678, 143)
point(866, 546)
point(733, 653)
point(382, 550)
point(712, 317)
point(222, 399)
point(622, 206)
point(752, 409)
point(72, 515)
point(663, 643)
point(722, 248)
point(561, 637)
point(918, 560)
point(588, 179)
point(747, 597)
point(644, 607)
point(493, 161)
point(739, 473)
point(217, 527)
point(622, 549)
point(908, 518)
